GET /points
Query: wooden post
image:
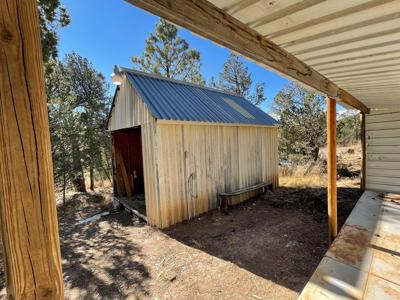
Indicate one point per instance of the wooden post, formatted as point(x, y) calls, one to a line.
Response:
point(27, 202)
point(331, 160)
point(363, 152)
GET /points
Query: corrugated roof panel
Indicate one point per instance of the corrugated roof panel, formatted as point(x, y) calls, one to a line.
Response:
point(174, 100)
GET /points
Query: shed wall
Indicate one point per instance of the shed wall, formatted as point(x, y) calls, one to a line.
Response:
point(383, 151)
point(129, 111)
point(196, 162)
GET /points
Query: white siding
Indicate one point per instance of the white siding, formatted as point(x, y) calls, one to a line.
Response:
point(383, 151)
point(129, 110)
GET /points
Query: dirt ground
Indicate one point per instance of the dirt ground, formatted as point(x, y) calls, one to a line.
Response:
point(266, 248)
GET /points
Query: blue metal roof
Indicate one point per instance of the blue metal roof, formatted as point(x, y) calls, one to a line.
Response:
point(176, 100)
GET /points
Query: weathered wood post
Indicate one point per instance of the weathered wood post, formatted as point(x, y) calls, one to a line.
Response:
point(27, 202)
point(331, 160)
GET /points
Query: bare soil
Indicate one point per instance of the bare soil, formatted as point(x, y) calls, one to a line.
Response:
point(266, 248)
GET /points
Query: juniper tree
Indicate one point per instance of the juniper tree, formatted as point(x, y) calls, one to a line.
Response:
point(349, 128)
point(78, 107)
point(236, 78)
point(302, 117)
point(169, 55)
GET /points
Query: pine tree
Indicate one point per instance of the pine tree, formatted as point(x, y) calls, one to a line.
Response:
point(236, 78)
point(52, 16)
point(169, 55)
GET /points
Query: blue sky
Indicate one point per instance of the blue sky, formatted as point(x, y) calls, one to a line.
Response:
point(109, 33)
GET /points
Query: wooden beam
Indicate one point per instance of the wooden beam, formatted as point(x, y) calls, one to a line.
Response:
point(331, 160)
point(27, 201)
point(363, 153)
point(207, 20)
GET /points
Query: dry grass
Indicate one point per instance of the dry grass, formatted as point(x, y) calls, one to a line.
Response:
point(300, 179)
point(313, 174)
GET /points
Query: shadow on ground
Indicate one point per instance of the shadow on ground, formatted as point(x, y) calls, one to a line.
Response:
point(281, 237)
point(99, 260)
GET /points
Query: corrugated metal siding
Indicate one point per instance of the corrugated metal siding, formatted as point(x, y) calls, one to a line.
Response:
point(171, 100)
point(383, 151)
point(196, 162)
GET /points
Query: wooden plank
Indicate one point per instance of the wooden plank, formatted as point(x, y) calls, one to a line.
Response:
point(121, 167)
point(246, 189)
point(128, 206)
point(207, 20)
point(27, 203)
point(331, 160)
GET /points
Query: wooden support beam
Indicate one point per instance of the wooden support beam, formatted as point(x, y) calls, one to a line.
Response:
point(207, 20)
point(27, 201)
point(331, 160)
point(363, 153)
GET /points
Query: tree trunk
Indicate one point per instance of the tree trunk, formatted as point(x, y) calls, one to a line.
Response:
point(91, 176)
point(64, 187)
point(315, 153)
point(79, 178)
point(27, 200)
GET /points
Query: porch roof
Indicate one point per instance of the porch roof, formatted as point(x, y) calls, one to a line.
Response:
point(348, 50)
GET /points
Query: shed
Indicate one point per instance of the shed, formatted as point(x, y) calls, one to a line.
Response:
point(182, 144)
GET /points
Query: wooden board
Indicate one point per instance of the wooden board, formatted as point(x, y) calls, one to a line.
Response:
point(331, 162)
point(29, 225)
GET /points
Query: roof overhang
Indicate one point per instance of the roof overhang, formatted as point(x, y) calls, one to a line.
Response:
point(347, 50)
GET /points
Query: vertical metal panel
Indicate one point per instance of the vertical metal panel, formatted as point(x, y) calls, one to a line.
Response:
point(196, 162)
point(383, 151)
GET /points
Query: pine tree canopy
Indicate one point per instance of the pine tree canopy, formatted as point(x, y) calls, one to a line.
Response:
point(168, 55)
point(236, 78)
point(52, 15)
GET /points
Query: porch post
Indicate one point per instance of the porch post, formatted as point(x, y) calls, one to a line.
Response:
point(331, 160)
point(27, 202)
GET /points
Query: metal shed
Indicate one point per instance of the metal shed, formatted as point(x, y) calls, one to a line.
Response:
point(183, 144)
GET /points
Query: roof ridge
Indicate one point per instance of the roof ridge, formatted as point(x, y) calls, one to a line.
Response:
point(137, 72)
